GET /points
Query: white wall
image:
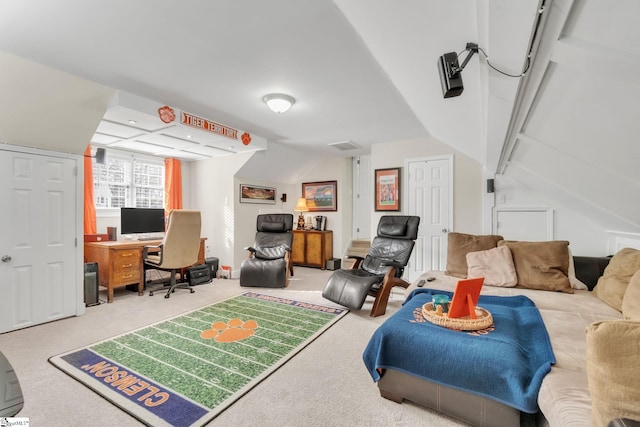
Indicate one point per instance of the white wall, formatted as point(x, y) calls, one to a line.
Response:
point(468, 182)
point(212, 192)
point(585, 236)
point(339, 222)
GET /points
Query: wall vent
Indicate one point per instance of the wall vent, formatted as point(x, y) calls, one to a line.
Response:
point(345, 145)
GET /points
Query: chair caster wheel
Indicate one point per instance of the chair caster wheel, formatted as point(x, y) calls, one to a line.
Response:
point(166, 296)
point(192, 291)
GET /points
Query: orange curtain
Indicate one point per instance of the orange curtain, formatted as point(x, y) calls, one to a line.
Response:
point(89, 202)
point(172, 184)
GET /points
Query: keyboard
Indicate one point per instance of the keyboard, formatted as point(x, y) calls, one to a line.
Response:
point(147, 238)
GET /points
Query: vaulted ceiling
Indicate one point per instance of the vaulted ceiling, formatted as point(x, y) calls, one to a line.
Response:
point(361, 72)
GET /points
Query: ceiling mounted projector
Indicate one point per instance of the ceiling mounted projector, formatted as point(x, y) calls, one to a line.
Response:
point(451, 71)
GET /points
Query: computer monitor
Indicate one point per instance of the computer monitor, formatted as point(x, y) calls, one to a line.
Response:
point(141, 220)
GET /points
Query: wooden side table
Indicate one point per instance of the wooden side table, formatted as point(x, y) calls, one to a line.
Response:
point(312, 248)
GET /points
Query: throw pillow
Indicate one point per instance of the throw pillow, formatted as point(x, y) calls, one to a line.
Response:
point(612, 370)
point(460, 244)
point(541, 265)
point(631, 299)
point(613, 283)
point(495, 265)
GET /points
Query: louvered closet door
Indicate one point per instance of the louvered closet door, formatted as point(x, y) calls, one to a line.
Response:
point(38, 280)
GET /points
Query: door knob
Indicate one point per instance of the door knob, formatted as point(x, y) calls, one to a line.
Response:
point(444, 230)
point(6, 258)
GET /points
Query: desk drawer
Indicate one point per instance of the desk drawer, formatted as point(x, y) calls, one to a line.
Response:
point(126, 256)
point(126, 277)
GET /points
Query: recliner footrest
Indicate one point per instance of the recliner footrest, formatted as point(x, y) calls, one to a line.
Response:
point(349, 288)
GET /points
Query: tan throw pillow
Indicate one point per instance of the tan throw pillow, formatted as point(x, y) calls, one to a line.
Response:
point(541, 265)
point(612, 370)
point(495, 265)
point(460, 244)
point(631, 299)
point(613, 283)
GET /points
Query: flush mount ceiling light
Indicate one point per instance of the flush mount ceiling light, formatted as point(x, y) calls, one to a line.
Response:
point(278, 102)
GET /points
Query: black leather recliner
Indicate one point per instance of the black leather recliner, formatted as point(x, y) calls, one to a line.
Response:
point(268, 263)
point(378, 272)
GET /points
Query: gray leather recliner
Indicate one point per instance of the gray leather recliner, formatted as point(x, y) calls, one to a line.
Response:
point(268, 263)
point(381, 269)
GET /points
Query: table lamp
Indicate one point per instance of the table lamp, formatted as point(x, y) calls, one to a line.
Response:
point(301, 206)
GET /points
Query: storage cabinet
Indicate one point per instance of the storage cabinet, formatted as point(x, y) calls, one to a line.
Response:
point(312, 248)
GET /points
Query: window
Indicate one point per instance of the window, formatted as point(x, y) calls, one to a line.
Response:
point(128, 182)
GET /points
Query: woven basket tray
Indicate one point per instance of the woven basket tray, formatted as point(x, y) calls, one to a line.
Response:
point(483, 319)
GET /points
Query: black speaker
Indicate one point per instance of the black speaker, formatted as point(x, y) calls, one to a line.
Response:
point(450, 76)
point(490, 188)
point(91, 284)
point(101, 156)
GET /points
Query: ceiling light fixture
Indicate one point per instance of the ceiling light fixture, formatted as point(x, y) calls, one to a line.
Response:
point(278, 102)
point(132, 122)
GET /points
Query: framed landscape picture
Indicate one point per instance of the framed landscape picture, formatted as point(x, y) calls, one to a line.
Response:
point(257, 194)
point(387, 189)
point(321, 196)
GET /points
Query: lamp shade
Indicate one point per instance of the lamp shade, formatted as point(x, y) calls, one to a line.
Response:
point(301, 206)
point(278, 102)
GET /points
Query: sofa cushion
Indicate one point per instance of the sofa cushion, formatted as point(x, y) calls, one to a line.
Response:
point(631, 299)
point(541, 265)
point(495, 265)
point(612, 370)
point(613, 283)
point(573, 279)
point(460, 244)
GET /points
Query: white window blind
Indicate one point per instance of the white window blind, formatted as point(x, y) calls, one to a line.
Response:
point(128, 182)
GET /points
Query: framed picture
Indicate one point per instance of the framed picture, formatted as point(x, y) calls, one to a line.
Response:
point(321, 196)
point(257, 194)
point(387, 189)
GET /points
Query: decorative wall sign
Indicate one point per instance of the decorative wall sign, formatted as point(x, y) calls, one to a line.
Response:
point(257, 194)
point(321, 196)
point(166, 113)
point(387, 189)
point(209, 126)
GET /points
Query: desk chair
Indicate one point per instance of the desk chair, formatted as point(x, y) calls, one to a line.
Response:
point(381, 269)
point(179, 248)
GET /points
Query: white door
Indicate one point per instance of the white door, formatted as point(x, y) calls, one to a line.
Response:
point(429, 197)
point(362, 197)
point(38, 279)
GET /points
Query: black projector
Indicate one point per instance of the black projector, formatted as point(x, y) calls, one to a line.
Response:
point(450, 76)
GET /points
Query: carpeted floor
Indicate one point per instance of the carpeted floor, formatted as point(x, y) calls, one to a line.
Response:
point(326, 384)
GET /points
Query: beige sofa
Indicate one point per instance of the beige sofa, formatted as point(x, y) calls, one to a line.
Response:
point(594, 343)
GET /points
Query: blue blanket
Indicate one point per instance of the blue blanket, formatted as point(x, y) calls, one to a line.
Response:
point(505, 362)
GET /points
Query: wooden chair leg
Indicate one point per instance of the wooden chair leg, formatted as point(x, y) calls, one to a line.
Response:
point(382, 296)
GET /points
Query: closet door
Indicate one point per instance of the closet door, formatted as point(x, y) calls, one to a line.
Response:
point(38, 279)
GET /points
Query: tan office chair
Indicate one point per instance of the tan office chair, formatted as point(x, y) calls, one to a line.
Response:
point(179, 248)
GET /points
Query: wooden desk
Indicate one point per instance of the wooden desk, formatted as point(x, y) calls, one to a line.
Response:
point(120, 262)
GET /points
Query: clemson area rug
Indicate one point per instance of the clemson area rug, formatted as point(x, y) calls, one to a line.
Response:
point(186, 370)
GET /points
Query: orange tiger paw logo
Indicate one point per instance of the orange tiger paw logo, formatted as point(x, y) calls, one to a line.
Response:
point(231, 331)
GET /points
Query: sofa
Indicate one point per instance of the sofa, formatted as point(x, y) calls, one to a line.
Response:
point(590, 307)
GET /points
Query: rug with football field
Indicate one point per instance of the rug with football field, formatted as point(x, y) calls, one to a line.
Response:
point(186, 370)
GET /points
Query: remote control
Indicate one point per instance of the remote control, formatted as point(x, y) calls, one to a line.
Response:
point(421, 283)
point(431, 279)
